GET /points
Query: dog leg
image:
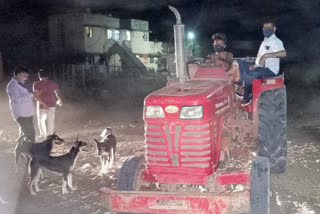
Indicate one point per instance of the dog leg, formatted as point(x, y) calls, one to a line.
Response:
point(70, 182)
point(64, 184)
point(33, 174)
point(17, 153)
point(29, 167)
point(111, 158)
point(31, 183)
point(37, 180)
point(102, 165)
point(106, 166)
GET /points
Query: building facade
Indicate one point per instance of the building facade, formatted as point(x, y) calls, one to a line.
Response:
point(91, 36)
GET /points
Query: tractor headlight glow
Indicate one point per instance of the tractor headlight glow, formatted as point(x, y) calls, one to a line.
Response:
point(191, 112)
point(154, 112)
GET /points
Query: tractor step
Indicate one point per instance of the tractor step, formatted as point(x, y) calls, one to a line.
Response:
point(175, 202)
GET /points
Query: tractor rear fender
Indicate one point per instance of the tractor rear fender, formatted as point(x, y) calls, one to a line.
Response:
point(258, 86)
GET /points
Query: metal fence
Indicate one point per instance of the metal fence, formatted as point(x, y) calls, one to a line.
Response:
point(93, 76)
point(105, 82)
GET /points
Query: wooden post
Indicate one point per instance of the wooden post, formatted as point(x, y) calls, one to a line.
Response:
point(94, 75)
point(105, 72)
point(83, 76)
point(62, 73)
point(68, 69)
point(54, 73)
point(49, 69)
point(1, 69)
point(73, 76)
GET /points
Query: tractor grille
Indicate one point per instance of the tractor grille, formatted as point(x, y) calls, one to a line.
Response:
point(178, 145)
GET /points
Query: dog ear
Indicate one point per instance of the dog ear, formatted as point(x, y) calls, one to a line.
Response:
point(109, 130)
point(77, 138)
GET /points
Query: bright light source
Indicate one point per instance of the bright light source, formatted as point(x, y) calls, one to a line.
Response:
point(190, 35)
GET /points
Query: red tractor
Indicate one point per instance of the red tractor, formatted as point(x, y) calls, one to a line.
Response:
point(204, 152)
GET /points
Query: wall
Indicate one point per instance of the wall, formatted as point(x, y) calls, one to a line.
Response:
point(74, 32)
point(54, 34)
point(99, 24)
point(66, 34)
point(98, 42)
point(101, 20)
point(146, 47)
point(139, 25)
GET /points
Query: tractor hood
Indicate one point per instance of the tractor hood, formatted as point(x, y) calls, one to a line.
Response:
point(192, 92)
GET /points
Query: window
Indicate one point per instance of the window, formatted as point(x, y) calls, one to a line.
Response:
point(109, 34)
point(128, 35)
point(89, 31)
point(151, 60)
point(156, 60)
point(145, 59)
point(145, 36)
point(113, 34)
point(116, 35)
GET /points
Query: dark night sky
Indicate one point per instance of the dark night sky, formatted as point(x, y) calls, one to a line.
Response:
point(23, 23)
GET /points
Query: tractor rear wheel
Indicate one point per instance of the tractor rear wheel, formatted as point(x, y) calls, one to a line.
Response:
point(260, 186)
point(272, 134)
point(130, 173)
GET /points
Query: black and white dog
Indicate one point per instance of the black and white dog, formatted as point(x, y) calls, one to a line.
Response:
point(63, 164)
point(106, 148)
point(31, 149)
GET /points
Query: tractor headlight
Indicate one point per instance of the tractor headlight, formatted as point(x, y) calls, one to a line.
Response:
point(191, 112)
point(154, 112)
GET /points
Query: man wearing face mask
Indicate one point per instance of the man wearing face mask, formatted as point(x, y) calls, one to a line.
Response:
point(267, 63)
point(220, 58)
point(21, 103)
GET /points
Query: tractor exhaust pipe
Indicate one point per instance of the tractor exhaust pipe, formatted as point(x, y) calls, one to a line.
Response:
point(179, 38)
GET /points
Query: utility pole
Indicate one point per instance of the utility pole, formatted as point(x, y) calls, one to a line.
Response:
point(1, 68)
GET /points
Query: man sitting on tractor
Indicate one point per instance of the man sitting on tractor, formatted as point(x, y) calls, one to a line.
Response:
point(267, 63)
point(220, 57)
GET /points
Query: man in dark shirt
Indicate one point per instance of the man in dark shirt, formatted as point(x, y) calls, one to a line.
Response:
point(220, 57)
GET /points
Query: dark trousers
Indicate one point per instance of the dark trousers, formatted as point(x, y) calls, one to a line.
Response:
point(243, 67)
point(248, 76)
point(257, 73)
point(26, 127)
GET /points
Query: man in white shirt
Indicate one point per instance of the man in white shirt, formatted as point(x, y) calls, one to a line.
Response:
point(21, 103)
point(267, 63)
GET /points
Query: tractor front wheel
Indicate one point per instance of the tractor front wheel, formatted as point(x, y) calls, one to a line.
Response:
point(130, 174)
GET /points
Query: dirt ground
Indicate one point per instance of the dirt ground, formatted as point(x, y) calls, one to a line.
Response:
point(295, 192)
